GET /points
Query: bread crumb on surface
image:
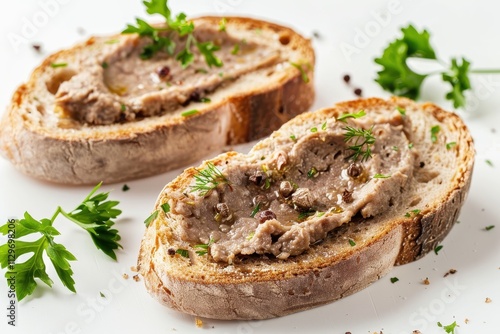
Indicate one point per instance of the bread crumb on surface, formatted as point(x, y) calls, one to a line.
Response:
point(416, 331)
point(487, 300)
point(198, 322)
point(136, 278)
point(125, 276)
point(426, 281)
point(466, 321)
point(451, 271)
point(134, 269)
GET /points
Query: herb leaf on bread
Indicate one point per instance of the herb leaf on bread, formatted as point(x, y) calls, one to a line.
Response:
point(362, 140)
point(161, 36)
point(208, 179)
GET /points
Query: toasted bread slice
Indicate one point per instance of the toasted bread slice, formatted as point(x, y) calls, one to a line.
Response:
point(97, 112)
point(256, 284)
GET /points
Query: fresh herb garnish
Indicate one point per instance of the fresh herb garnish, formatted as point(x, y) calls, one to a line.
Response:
point(434, 131)
point(415, 212)
point(123, 107)
point(410, 146)
point(56, 65)
point(489, 162)
point(105, 65)
point(323, 126)
point(125, 188)
point(304, 215)
point(255, 210)
point(292, 137)
point(182, 252)
point(394, 280)
point(235, 50)
point(450, 329)
point(401, 111)
point(203, 248)
point(250, 235)
point(437, 249)
point(450, 145)
point(303, 72)
point(381, 176)
point(102, 295)
point(314, 129)
point(162, 37)
point(222, 24)
point(205, 100)
point(487, 228)
point(363, 139)
point(189, 113)
point(312, 172)
point(150, 219)
point(207, 49)
point(395, 148)
point(352, 243)
point(94, 215)
point(165, 207)
point(344, 117)
point(398, 78)
point(112, 41)
point(208, 179)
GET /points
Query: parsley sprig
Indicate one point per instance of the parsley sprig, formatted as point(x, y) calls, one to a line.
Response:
point(363, 140)
point(162, 37)
point(398, 78)
point(94, 215)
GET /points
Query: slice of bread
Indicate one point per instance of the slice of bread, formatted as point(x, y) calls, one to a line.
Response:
point(58, 129)
point(260, 285)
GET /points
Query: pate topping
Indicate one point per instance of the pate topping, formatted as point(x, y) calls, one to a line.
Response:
point(283, 203)
point(119, 86)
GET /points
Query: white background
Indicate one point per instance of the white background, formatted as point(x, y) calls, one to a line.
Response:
point(459, 27)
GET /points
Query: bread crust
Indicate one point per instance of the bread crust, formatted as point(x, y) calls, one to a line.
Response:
point(260, 287)
point(115, 154)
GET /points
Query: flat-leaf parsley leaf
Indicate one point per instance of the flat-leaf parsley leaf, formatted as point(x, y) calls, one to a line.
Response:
point(398, 78)
point(95, 215)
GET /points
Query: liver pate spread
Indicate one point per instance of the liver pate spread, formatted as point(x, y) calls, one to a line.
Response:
point(305, 187)
point(119, 86)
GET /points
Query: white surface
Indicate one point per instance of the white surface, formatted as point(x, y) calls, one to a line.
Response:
point(458, 27)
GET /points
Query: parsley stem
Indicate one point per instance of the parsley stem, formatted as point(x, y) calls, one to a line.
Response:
point(485, 71)
point(54, 216)
point(82, 225)
point(190, 39)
